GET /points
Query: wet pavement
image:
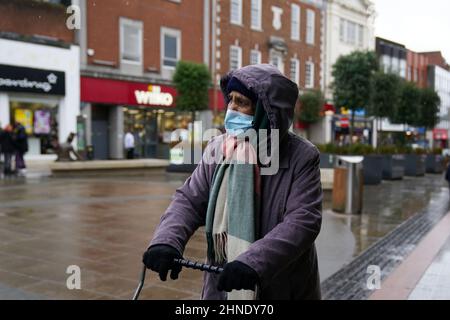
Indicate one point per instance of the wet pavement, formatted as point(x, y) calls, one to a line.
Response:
point(435, 282)
point(103, 225)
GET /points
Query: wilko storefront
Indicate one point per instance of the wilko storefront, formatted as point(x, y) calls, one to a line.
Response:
point(147, 110)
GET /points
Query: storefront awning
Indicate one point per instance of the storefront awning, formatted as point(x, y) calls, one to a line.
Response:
point(440, 134)
point(119, 92)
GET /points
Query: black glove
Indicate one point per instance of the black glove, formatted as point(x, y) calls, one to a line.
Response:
point(237, 276)
point(159, 258)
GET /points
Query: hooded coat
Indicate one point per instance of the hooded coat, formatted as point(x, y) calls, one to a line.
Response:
point(284, 256)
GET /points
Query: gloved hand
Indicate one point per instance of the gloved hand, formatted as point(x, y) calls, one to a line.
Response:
point(237, 276)
point(159, 258)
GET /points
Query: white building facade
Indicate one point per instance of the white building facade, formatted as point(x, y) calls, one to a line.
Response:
point(349, 26)
point(439, 80)
point(40, 88)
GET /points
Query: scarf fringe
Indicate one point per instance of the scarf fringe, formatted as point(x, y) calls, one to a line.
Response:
point(220, 247)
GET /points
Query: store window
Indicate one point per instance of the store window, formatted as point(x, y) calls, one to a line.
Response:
point(41, 124)
point(152, 129)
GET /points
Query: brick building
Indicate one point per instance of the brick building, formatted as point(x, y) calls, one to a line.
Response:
point(39, 72)
point(287, 34)
point(130, 49)
point(417, 64)
point(129, 53)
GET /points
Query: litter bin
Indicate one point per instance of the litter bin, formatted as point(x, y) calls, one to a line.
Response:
point(348, 185)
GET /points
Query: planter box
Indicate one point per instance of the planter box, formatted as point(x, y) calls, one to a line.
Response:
point(434, 163)
point(415, 165)
point(327, 160)
point(373, 169)
point(393, 167)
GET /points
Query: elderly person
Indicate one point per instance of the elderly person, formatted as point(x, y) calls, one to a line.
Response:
point(260, 228)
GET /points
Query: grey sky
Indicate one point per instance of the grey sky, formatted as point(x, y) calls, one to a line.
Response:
point(420, 25)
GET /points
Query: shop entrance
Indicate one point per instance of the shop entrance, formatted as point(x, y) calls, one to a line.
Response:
point(100, 128)
point(143, 124)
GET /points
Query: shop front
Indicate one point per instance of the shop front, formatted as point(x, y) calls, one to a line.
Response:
point(440, 137)
point(114, 107)
point(362, 129)
point(32, 97)
point(39, 88)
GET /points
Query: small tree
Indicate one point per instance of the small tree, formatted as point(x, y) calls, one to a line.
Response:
point(352, 81)
point(385, 96)
point(310, 106)
point(429, 108)
point(192, 81)
point(408, 108)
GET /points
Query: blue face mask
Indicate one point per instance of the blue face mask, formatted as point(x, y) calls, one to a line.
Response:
point(237, 122)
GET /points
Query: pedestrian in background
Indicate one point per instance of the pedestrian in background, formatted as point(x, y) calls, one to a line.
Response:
point(260, 228)
point(21, 143)
point(129, 144)
point(447, 175)
point(7, 148)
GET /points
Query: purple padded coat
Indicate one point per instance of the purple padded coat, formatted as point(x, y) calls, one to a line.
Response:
point(291, 210)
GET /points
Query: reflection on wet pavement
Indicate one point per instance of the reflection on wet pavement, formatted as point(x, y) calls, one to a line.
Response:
point(385, 207)
point(104, 224)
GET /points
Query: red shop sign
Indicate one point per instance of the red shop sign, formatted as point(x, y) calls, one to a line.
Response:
point(126, 92)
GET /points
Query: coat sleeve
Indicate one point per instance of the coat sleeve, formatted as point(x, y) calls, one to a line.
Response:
point(298, 230)
point(187, 211)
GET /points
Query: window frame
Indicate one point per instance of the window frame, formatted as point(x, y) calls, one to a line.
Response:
point(239, 21)
point(135, 24)
point(239, 50)
point(259, 17)
point(309, 84)
point(296, 78)
point(296, 37)
point(310, 27)
point(170, 32)
point(253, 51)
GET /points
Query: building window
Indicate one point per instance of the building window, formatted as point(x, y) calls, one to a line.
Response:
point(131, 41)
point(310, 23)
point(402, 71)
point(295, 22)
point(276, 59)
point(351, 33)
point(295, 70)
point(256, 14)
point(171, 47)
point(236, 12)
point(360, 35)
point(309, 75)
point(235, 57)
point(342, 30)
point(255, 57)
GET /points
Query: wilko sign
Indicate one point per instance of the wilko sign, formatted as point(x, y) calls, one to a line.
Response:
point(118, 92)
point(153, 97)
